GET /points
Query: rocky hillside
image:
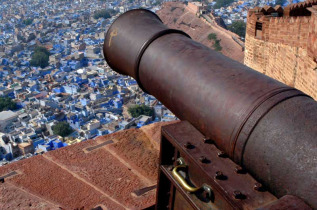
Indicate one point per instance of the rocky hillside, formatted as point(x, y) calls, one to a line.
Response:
point(176, 15)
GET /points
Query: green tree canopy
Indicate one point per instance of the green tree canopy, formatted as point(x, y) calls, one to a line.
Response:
point(40, 57)
point(222, 3)
point(138, 110)
point(238, 27)
point(212, 36)
point(6, 103)
point(279, 2)
point(62, 129)
point(31, 37)
point(42, 49)
point(104, 13)
point(27, 21)
point(216, 46)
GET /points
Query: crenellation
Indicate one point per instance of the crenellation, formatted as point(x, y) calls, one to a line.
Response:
point(287, 49)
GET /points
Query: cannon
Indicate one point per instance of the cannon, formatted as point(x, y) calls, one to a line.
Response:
point(265, 127)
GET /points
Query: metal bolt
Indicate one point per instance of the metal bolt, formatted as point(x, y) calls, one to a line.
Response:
point(222, 154)
point(238, 195)
point(170, 168)
point(188, 145)
point(203, 159)
point(208, 140)
point(219, 175)
point(239, 170)
point(258, 186)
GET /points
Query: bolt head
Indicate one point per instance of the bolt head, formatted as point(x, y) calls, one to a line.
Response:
point(222, 154)
point(258, 187)
point(239, 170)
point(207, 140)
point(203, 159)
point(219, 175)
point(238, 195)
point(188, 145)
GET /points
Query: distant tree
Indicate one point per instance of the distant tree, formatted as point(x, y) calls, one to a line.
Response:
point(40, 57)
point(104, 13)
point(42, 49)
point(280, 2)
point(138, 110)
point(238, 27)
point(27, 21)
point(31, 37)
point(222, 3)
point(6, 103)
point(216, 46)
point(62, 129)
point(212, 36)
point(154, 4)
point(21, 38)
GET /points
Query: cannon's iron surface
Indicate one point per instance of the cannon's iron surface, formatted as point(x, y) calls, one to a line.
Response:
point(263, 125)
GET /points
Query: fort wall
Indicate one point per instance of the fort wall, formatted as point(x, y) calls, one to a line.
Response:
point(282, 45)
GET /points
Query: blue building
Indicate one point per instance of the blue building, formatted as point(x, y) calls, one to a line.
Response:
point(37, 142)
point(57, 144)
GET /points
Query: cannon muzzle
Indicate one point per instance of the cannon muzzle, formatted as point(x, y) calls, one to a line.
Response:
point(265, 126)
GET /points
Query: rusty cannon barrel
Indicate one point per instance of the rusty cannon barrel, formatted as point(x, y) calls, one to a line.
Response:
point(265, 126)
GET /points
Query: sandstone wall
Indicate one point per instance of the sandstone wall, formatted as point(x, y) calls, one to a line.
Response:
point(285, 50)
point(288, 64)
point(193, 8)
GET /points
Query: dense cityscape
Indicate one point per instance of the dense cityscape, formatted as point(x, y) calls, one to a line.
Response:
point(55, 87)
point(54, 76)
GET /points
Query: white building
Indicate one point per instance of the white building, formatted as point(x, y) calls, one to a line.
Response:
point(6, 120)
point(94, 124)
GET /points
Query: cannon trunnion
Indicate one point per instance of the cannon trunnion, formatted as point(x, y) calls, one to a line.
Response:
point(263, 126)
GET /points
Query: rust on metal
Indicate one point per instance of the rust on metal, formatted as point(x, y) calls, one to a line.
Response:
point(238, 195)
point(113, 33)
point(180, 133)
point(257, 121)
point(288, 202)
point(144, 190)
